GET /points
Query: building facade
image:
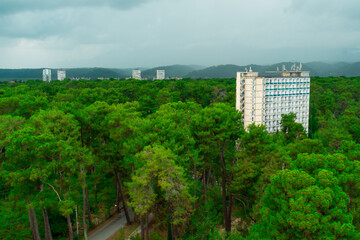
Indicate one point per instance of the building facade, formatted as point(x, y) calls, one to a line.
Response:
point(136, 74)
point(263, 99)
point(160, 74)
point(47, 75)
point(61, 75)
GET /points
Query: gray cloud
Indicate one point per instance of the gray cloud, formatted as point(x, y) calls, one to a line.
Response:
point(159, 32)
point(15, 6)
point(330, 8)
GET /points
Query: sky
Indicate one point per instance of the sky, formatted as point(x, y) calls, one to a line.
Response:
point(150, 33)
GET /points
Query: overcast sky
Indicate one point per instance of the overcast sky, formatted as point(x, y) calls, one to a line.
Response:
point(149, 33)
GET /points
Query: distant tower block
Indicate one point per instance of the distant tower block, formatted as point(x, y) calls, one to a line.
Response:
point(136, 74)
point(263, 99)
point(61, 74)
point(46, 75)
point(160, 74)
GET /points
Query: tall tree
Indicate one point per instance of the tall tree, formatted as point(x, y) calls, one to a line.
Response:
point(126, 127)
point(160, 171)
point(217, 129)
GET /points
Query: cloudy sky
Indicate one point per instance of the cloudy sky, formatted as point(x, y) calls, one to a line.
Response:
point(149, 33)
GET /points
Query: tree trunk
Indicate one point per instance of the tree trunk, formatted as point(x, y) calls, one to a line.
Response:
point(230, 208)
point(195, 186)
point(95, 191)
point(81, 135)
point(71, 233)
point(88, 204)
point(117, 201)
point(128, 221)
point(142, 227)
point(84, 214)
point(32, 227)
point(147, 227)
point(208, 177)
point(96, 196)
point(169, 234)
point(33, 224)
point(173, 234)
point(48, 235)
point(205, 185)
point(227, 223)
point(77, 221)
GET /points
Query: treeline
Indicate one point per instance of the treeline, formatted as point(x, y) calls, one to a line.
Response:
point(176, 149)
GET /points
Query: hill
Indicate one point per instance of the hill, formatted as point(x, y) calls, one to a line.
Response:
point(229, 70)
point(349, 70)
point(170, 71)
point(93, 73)
point(187, 71)
point(327, 69)
point(315, 68)
point(13, 74)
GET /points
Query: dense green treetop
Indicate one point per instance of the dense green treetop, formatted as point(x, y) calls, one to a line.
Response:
point(177, 149)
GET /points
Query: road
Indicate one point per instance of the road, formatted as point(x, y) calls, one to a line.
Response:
point(111, 227)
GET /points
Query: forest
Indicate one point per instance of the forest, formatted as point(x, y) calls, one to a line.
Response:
point(73, 153)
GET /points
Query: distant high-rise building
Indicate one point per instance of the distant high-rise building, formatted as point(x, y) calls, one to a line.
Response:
point(136, 74)
point(61, 74)
point(47, 75)
point(160, 74)
point(263, 99)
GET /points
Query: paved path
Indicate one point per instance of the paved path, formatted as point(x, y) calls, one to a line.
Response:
point(112, 227)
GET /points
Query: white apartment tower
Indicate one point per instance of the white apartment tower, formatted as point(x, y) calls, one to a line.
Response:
point(47, 75)
point(136, 74)
point(160, 74)
point(61, 74)
point(263, 99)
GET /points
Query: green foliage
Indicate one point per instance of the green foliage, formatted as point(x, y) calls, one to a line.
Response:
point(12, 221)
point(66, 207)
point(291, 129)
point(299, 205)
point(172, 128)
point(8, 125)
point(176, 143)
point(155, 236)
point(204, 221)
point(305, 146)
point(346, 172)
point(160, 171)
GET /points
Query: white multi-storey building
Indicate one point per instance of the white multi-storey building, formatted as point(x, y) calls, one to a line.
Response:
point(263, 99)
point(61, 74)
point(47, 75)
point(160, 74)
point(136, 74)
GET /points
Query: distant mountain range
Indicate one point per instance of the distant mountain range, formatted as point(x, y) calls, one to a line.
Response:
point(95, 73)
point(171, 71)
point(315, 68)
point(188, 71)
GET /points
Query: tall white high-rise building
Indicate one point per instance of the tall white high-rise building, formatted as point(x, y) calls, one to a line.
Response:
point(136, 74)
point(263, 99)
point(61, 74)
point(47, 75)
point(160, 74)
